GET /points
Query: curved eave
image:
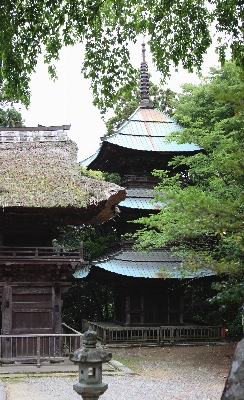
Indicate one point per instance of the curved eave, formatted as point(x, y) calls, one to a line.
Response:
point(140, 198)
point(114, 158)
point(146, 130)
point(158, 264)
point(85, 163)
point(140, 204)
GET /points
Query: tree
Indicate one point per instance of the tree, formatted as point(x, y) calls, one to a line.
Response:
point(178, 31)
point(202, 216)
point(101, 175)
point(97, 240)
point(128, 102)
point(87, 299)
point(10, 117)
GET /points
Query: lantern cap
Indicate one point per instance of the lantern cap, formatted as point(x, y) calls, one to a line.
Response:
point(89, 353)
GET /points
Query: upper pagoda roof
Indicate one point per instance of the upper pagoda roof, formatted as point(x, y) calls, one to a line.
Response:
point(146, 130)
point(141, 143)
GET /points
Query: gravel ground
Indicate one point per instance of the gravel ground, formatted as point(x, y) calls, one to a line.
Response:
point(120, 388)
point(163, 374)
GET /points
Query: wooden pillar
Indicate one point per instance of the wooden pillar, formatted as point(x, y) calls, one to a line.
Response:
point(1, 238)
point(116, 308)
point(122, 312)
point(127, 310)
point(142, 310)
point(181, 310)
point(7, 310)
point(56, 327)
point(56, 304)
point(154, 310)
point(168, 308)
point(7, 321)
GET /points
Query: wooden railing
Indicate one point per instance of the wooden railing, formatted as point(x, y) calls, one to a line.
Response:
point(39, 253)
point(35, 349)
point(68, 329)
point(45, 254)
point(181, 333)
point(154, 334)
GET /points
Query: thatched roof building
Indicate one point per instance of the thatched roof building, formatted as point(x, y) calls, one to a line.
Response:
point(40, 172)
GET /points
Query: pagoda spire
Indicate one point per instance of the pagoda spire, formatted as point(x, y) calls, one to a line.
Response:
point(144, 85)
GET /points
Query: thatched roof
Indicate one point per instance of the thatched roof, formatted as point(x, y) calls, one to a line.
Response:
point(45, 175)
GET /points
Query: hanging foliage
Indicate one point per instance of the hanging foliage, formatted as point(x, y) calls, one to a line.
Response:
point(178, 32)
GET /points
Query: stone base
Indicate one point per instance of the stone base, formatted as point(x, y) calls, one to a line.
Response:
point(91, 392)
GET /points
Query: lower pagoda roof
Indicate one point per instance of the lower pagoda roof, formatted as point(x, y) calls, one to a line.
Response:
point(159, 264)
point(140, 198)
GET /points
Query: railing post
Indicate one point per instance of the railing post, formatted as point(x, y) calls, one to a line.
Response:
point(81, 250)
point(38, 351)
point(158, 335)
point(104, 336)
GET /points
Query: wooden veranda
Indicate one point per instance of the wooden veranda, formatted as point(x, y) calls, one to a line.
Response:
point(108, 332)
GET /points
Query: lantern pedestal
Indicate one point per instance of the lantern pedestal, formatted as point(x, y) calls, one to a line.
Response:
point(90, 392)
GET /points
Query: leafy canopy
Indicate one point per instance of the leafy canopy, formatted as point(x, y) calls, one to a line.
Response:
point(9, 116)
point(178, 31)
point(96, 239)
point(100, 175)
point(203, 213)
point(89, 300)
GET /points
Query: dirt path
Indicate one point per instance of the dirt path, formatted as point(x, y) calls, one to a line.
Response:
point(155, 362)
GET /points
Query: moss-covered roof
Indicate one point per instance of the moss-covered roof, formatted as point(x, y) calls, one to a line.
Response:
point(34, 175)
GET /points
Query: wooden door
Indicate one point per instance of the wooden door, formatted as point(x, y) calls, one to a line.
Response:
point(27, 311)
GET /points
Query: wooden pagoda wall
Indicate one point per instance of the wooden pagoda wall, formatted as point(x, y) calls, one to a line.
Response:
point(143, 301)
point(153, 305)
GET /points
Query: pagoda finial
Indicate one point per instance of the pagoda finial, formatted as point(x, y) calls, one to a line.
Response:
point(143, 52)
point(144, 86)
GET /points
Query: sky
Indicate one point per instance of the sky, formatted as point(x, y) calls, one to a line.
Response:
point(68, 100)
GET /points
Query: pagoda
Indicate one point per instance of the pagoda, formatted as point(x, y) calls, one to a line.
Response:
point(148, 291)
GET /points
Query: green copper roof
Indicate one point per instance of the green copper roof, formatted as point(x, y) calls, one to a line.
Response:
point(153, 264)
point(140, 198)
point(146, 130)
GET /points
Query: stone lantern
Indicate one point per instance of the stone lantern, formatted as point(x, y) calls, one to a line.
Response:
point(90, 360)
